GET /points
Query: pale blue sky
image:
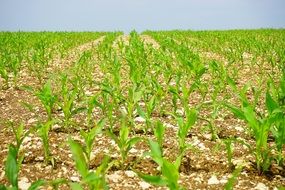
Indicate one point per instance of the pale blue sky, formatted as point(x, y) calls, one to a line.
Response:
point(125, 15)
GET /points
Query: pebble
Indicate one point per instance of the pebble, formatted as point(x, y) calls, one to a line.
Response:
point(208, 136)
point(55, 127)
point(130, 173)
point(213, 180)
point(144, 185)
point(2, 176)
point(261, 186)
point(64, 170)
point(179, 111)
point(139, 119)
point(224, 180)
point(24, 183)
point(27, 139)
point(40, 158)
point(31, 121)
point(133, 151)
point(74, 178)
point(168, 125)
point(114, 177)
point(240, 129)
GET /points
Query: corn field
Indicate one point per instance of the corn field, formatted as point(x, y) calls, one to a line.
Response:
point(152, 110)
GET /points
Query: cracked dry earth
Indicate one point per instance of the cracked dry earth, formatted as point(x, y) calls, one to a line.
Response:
point(203, 167)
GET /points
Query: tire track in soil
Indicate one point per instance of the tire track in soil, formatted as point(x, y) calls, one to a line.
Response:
point(75, 53)
point(148, 40)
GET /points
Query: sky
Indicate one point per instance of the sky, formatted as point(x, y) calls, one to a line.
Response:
point(140, 15)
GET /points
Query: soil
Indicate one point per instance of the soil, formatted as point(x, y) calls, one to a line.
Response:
point(204, 166)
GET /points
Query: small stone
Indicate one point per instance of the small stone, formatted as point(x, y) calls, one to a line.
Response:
point(39, 143)
point(2, 176)
point(64, 170)
point(133, 151)
point(179, 111)
point(31, 121)
point(74, 178)
point(124, 110)
point(24, 183)
point(88, 93)
point(40, 158)
point(208, 136)
point(168, 125)
point(202, 146)
point(223, 181)
point(27, 139)
point(130, 173)
point(55, 127)
point(213, 180)
point(240, 129)
point(139, 119)
point(144, 185)
point(261, 186)
point(114, 177)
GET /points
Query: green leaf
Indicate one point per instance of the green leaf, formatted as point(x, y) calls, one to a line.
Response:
point(91, 178)
point(133, 141)
point(78, 110)
point(170, 172)
point(75, 186)
point(232, 180)
point(159, 132)
point(11, 167)
point(2, 187)
point(191, 117)
point(250, 117)
point(156, 153)
point(155, 180)
point(236, 111)
point(79, 158)
point(35, 185)
point(271, 105)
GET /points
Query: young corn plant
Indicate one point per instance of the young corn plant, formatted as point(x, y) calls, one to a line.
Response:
point(159, 131)
point(66, 101)
point(231, 181)
point(92, 102)
point(12, 168)
point(229, 150)
point(20, 135)
point(259, 125)
point(47, 98)
point(124, 142)
point(150, 106)
point(185, 126)
point(43, 131)
point(92, 179)
point(275, 103)
point(169, 171)
point(4, 73)
point(89, 138)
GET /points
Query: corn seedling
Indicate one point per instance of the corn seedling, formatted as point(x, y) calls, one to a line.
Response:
point(259, 126)
point(12, 168)
point(43, 132)
point(169, 171)
point(93, 179)
point(47, 98)
point(185, 126)
point(66, 101)
point(123, 141)
point(275, 104)
point(89, 138)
